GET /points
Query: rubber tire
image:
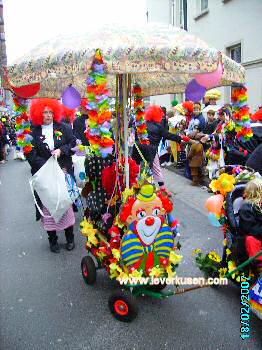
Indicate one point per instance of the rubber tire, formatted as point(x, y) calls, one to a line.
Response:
point(129, 299)
point(88, 262)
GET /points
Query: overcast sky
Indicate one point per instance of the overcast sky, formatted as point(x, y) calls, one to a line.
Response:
point(29, 22)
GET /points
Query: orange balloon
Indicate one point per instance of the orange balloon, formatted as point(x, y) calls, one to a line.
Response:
point(214, 203)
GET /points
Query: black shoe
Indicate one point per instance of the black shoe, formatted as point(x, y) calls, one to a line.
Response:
point(54, 247)
point(70, 245)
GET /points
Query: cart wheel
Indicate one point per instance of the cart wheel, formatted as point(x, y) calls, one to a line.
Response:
point(88, 270)
point(157, 287)
point(123, 306)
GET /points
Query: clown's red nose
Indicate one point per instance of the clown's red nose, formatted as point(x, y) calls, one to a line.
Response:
point(150, 221)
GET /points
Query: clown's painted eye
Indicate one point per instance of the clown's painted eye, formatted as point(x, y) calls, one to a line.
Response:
point(141, 214)
point(156, 211)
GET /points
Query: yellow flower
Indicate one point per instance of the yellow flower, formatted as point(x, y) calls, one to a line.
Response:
point(225, 183)
point(136, 274)
point(214, 256)
point(213, 185)
point(174, 258)
point(116, 253)
point(156, 271)
point(115, 270)
point(170, 272)
point(224, 242)
point(127, 193)
point(122, 276)
point(196, 251)
point(101, 255)
point(228, 251)
point(231, 267)
point(222, 272)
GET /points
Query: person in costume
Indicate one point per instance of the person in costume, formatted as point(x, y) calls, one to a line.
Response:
point(250, 219)
point(221, 140)
point(149, 239)
point(156, 132)
point(196, 159)
point(80, 124)
point(211, 98)
point(52, 138)
point(197, 119)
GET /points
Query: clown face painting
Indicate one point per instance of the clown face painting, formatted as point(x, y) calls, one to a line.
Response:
point(149, 238)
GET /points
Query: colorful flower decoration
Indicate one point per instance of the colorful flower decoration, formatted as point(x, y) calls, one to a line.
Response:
point(23, 127)
point(241, 114)
point(98, 132)
point(224, 184)
point(140, 122)
point(58, 134)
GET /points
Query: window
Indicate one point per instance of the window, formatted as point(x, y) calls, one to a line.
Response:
point(203, 5)
point(235, 53)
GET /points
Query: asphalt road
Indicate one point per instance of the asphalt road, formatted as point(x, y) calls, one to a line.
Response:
point(44, 303)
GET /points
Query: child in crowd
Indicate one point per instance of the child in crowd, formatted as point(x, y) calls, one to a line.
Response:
point(250, 219)
point(196, 158)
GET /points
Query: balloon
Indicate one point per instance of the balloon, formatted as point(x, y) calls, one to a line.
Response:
point(194, 91)
point(209, 80)
point(214, 203)
point(213, 220)
point(71, 98)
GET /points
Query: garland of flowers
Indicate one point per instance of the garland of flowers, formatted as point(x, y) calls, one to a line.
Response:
point(99, 122)
point(23, 127)
point(140, 122)
point(241, 114)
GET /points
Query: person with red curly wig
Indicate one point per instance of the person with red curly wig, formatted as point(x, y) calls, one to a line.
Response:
point(52, 138)
point(156, 132)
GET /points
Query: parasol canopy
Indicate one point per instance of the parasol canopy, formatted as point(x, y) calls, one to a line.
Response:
point(161, 58)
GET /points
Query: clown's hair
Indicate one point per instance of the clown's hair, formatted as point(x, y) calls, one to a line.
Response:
point(68, 114)
point(154, 114)
point(188, 105)
point(253, 193)
point(38, 106)
point(167, 204)
point(127, 209)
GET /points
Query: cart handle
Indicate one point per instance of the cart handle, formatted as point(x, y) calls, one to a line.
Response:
point(229, 274)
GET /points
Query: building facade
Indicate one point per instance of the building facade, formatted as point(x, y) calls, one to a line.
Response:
point(3, 58)
point(232, 26)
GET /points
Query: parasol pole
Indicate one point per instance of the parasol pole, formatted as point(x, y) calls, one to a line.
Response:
point(124, 86)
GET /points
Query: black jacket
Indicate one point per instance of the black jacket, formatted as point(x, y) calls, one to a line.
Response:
point(255, 160)
point(250, 220)
point(41, 152)
point(156, 131)
point(79, 128)
point(210, 127)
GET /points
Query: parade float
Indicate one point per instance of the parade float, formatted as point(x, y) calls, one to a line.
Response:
point(128, 222)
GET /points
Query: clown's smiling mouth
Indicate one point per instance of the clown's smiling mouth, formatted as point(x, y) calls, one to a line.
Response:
point(146, 234)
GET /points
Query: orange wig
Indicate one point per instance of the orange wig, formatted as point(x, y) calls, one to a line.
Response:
point(154, 114)
point(37, 109)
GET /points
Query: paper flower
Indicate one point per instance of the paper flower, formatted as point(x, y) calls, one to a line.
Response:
point(140, 122)
point(174, 258)
point(224, 184)
point(58, 134)
point(214, 256)
point(170, 272)
point(196, 251)
point(231, 267)
point(222, 272)
point(116, 254)
point(156, 271)
point(135, 273)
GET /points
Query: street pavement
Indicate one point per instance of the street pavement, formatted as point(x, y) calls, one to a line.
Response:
point(45, 304)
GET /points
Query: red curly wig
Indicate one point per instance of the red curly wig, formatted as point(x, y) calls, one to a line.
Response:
point(69, 114)
point(37, 109)
point(257, 117)
point(154, 114)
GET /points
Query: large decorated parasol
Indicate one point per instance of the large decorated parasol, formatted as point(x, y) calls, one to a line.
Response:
point(162, 59)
